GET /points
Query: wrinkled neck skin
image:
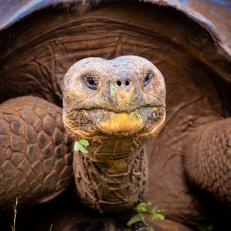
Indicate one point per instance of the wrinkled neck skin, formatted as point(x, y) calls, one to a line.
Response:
point(112, 175)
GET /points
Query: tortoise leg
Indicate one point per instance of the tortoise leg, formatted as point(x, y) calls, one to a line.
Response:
point(35, 152)
point(207, 158)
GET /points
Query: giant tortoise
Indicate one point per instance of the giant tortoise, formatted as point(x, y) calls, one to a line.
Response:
point(116, 104)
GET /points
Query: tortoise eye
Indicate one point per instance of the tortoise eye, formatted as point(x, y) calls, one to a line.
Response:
point(91, 82)
point(148, 79)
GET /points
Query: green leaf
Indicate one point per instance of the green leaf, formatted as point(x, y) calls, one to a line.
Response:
point(137, 218)
point(76, 146)
point(83, 150)
point(142, 207)
point(79, 147)
point(157, 215)
point(84, 142)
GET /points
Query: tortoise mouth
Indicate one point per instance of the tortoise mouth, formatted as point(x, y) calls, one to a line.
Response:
point(128, 123)
point(141, 120)
point(122, 123)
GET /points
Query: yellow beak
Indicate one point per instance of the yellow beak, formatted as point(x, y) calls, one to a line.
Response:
point(122, 122)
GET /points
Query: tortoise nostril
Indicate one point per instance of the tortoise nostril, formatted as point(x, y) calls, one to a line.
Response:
point(118, 83)
point(123, 83)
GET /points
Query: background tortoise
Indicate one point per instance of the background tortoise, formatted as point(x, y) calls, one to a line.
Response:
point(194, 59)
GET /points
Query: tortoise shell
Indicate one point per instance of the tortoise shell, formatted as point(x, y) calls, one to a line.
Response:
point(212, 15)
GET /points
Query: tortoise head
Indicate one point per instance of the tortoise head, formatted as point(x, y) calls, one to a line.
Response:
point(122, 96)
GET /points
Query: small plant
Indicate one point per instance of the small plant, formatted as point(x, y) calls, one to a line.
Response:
point(13, 227)
point(205, 228)
point(81, 145)
point(143, 209)
point(157, 215)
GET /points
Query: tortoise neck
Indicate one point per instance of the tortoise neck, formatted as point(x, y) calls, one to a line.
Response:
point(110, 185)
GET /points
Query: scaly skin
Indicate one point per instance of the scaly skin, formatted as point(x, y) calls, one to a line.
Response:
point(122, 104)
point(35, 158)
point(207, 158)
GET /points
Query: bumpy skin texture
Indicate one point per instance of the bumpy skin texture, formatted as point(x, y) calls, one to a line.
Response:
point(207, 158)
point(35, 160)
